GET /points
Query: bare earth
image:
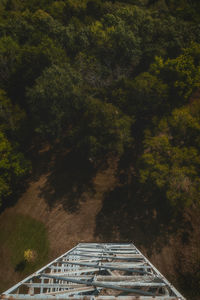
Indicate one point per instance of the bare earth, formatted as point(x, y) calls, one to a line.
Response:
point(87, 223)
point(65, 229)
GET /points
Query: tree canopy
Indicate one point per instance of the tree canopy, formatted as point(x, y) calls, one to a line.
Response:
point(102, 78)
point(171, 158)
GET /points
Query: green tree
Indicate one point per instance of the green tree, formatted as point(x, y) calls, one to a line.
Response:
point(171, 159)
point(94, 8)
point(9, 59)
point(12, 5)
point(73, 9)
point(60, 108)
point(13, 168)
point(57, 10)
point(102, 131)
point(54, 99)
point(182, 74)
point(11, 116)
point(143, 97)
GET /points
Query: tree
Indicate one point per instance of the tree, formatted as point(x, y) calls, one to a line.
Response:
point(54, 99)
point(102, 131)
point(94, 8)
point(13, 168)
point(73, 9)
point(11, 116)
point(61, 109)
point(12, 5)
point(171, 159)
point(9, 59)
point(144, 97)
point(57, 10)
point(182, 74)
point(186, 9)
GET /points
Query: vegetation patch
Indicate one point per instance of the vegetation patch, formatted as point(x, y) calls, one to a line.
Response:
point(24, 234)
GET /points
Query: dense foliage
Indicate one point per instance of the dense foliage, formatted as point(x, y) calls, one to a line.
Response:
point(13, 165)
point(102, 77)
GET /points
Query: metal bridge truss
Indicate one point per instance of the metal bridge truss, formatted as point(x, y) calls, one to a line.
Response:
point(93, 271)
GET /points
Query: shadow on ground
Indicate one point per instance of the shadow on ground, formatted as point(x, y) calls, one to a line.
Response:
point(135, 212)
point(20, 266)
point(70, 177)
point(11, 200)
point(132, 214)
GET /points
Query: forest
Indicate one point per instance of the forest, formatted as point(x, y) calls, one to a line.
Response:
point(105, 80)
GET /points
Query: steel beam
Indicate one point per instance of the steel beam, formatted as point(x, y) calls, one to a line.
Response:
point(99, 284)
point(84, 273)
point(109, 257)
point(107, 267)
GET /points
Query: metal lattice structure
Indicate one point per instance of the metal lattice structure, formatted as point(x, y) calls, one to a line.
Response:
point(93, 271)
